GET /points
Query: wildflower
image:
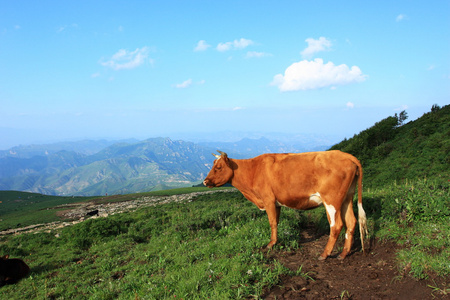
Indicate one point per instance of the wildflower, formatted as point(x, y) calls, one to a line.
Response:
point(249, 272)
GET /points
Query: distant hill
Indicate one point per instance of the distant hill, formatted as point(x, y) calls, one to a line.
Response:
point(120, 168)
point(87, 147)
point(88, 167)
point(391, 150)
point(247, 147)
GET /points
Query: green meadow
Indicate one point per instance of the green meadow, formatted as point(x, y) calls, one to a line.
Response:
point(211, 247)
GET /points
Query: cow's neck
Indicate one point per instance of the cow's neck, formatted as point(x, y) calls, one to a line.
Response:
point(243, 174)
point(244, 180)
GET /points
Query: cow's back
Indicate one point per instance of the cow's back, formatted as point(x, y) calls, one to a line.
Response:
point(299, 175)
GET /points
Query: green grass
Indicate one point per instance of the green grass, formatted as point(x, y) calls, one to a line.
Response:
point(416, 215)
point(211, 247)
point(20, 209)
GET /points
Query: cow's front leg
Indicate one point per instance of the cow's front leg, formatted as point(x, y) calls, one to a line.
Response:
point(273, 213)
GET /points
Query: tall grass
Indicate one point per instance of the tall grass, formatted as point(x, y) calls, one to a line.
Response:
point(416, 215)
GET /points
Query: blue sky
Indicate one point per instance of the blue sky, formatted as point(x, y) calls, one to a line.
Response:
point(138, 69)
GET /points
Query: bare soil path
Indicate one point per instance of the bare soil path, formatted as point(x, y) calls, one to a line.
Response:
point(374, 275)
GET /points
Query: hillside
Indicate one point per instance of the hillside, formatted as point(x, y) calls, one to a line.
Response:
point(393, 151)
point(211, 246)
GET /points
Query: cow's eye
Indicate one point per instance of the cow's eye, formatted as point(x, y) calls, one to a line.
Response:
point(218, 168)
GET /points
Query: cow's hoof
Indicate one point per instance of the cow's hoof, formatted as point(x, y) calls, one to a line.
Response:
point(270, 245)
point(321, 258)
point(340, 257)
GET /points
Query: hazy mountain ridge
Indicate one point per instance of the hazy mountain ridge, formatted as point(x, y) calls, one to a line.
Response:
point(119, 168)
point(160, 163)
point(87, 147)
point(247, 147)
point(87, 168)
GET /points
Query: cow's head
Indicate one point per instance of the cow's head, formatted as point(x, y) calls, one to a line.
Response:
point(221, 171)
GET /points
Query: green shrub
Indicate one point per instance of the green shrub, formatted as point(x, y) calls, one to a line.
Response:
point(84, 234)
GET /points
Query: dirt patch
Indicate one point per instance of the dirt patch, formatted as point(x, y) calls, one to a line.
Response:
point(374, 275)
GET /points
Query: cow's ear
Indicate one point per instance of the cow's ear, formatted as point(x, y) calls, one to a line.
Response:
point(6, 256)
point(226, 159)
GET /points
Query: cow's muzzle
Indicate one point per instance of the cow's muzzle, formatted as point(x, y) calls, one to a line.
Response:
point(208, 183)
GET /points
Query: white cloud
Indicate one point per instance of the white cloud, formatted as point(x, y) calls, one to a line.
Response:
point(314, 74)
point(223, 47)
point(201, 46)
point(314, 46)
point(184, 84)
point(350, 105)
point(401, 17)
point(242, 43)
point(95, 75)
point(234, 45)
point(252, 54)
point(125, 59)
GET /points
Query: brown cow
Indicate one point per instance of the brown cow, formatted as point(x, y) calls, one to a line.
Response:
point(300, 181)
point(12, 270)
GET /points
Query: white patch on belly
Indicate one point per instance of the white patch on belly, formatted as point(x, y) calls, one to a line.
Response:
point(316, 198)
point(346, 236)
point(279, 204)
point(331, 212)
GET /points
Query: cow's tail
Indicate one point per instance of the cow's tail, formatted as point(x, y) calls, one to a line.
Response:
point(362, 219)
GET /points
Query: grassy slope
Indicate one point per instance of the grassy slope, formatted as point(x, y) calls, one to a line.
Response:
point(210, 247)
point(389, 152)
point(205, 248)
point(19, 209)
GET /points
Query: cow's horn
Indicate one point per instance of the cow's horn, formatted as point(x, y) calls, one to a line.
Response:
point(215, 155)
point(222, 153)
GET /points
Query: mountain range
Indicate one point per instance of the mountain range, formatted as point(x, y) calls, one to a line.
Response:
point(88, 167)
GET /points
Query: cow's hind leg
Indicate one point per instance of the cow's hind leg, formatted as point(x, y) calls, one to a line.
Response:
point(350, 224)
point(273, 213)
point(349, 219)
point(336, 224)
